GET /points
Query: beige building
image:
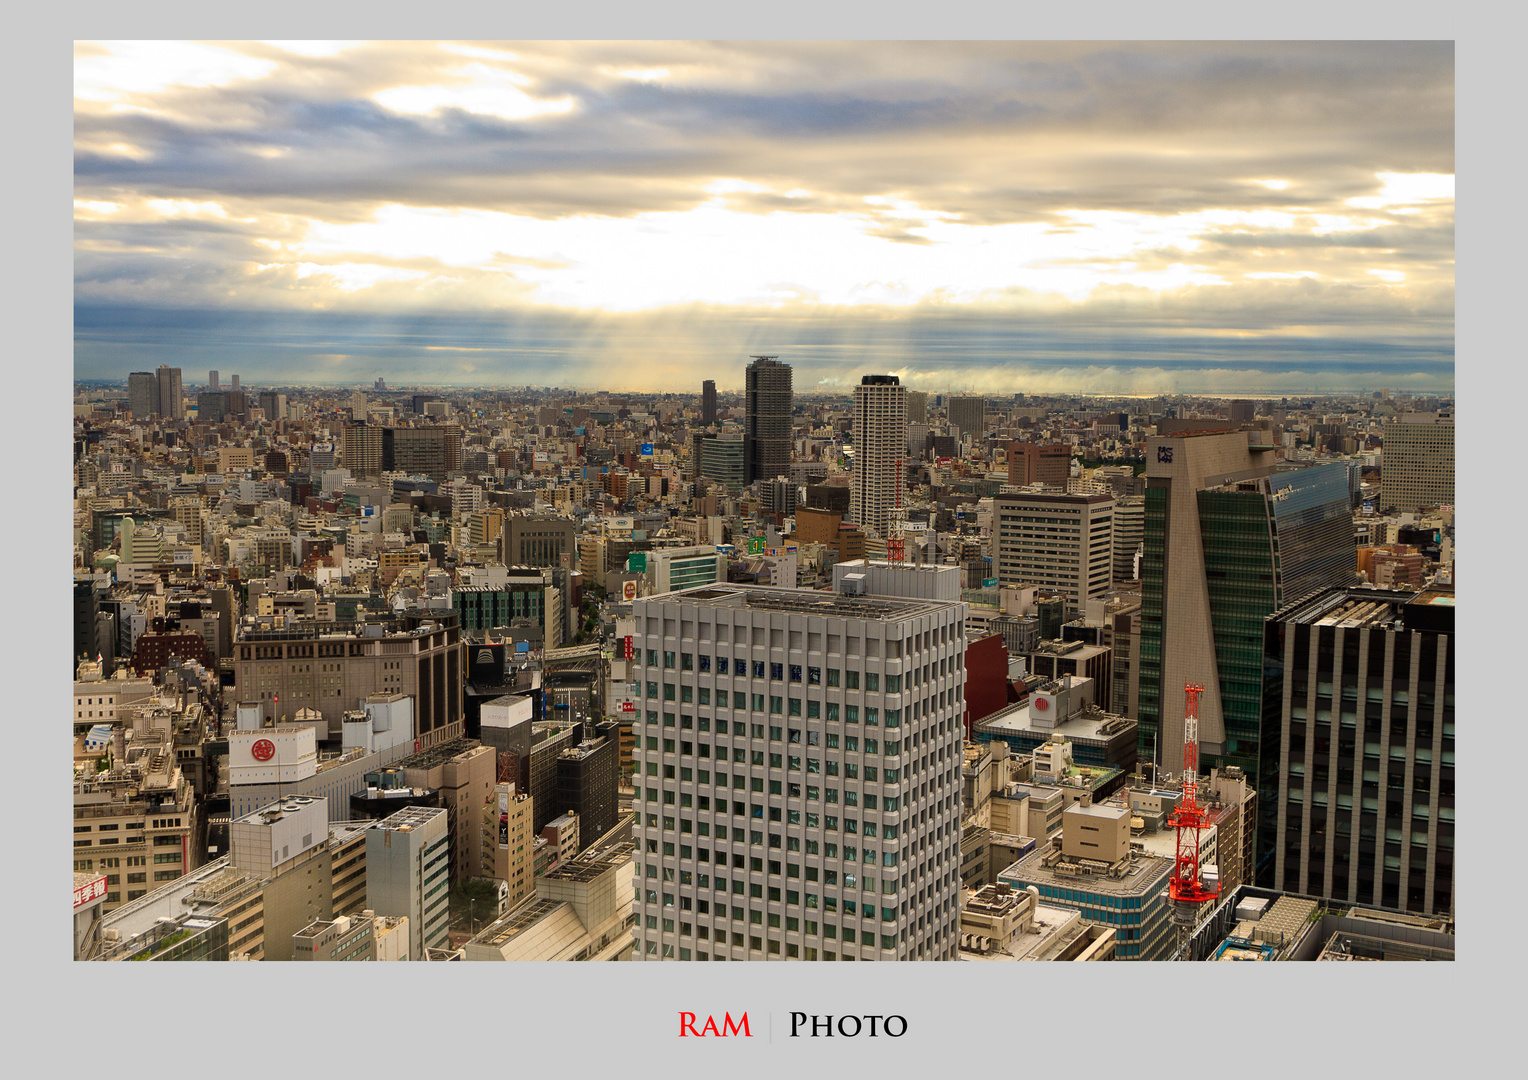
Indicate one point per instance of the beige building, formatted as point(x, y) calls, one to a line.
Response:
point(509, 841)
point(464, 771)
point(1418, 467)
point(364, 935)
point(580, 911)
point(287, 844)
point(96, 700)
point(1059, 542)
point(306, 666)
point(999, 922)
point(136, 822)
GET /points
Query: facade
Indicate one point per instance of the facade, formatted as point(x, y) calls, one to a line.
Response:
point(880, 443)
point(767, 423)
point(588, 780)
point(286, 844)
point(969, 414)
point(1128, 893)
point(332, 667)
point(408, 874)
point(172, 403)
point(464, 773)
point(1418, 468)
point(722, 458)
point(580, 911)
point(1059, 542)
point(798, 787)
point(1228, 541)
point(1129, 535)
point(1035, 463)
point(538, 540)
point(142, 394)
point(1357, 771)
point(136, 823)
point(708, 402)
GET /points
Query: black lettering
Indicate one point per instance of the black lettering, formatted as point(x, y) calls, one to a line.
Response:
point(796, 1019)
point(872, 1018)
point(827, 1024)
point(845, 1034)
point(899, 1019)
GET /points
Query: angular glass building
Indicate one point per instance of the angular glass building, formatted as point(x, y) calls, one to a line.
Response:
point(1229, 539)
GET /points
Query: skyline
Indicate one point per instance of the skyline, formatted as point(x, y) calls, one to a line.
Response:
point(1133, 219)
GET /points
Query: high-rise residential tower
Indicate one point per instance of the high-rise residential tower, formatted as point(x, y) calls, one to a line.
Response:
point(880, 443)
point(212, 381)
point(708, 402)
point(1228, 540)
point(798, 775)
point(767, 420)
point(1418, 467)
point(172, 404)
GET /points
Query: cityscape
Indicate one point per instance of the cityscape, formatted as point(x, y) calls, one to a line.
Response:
point(978, 574)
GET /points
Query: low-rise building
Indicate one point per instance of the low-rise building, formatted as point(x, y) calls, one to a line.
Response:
point(582, 910)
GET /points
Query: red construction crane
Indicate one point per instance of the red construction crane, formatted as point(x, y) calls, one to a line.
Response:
point(1185, 887)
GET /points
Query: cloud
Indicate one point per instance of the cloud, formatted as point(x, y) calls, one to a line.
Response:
point(1113, 195)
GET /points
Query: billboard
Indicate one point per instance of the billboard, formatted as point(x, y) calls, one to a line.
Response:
point(647, 449)
point(756, 545)
point(628, 591)
point(91, 890)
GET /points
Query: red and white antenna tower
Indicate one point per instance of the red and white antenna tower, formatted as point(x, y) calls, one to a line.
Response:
point(1186, 888)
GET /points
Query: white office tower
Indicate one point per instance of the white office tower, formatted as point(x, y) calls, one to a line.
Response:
point(798, 761)
point(880, 441)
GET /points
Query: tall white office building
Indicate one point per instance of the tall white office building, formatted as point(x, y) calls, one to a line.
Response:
point(880, 446)
point(798, 760)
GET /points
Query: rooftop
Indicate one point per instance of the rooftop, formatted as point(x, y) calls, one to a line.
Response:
point(802, 601)
point(1144, 874)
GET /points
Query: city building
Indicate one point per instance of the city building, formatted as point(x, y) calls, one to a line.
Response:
point(1064, 707)
point(1057, 541)
point(581, 911)
point(1418, 469)
point(1357, 770)
point(798, 788)
point(361, 936)
point(1093, 869)
point(1039, 463)
point(999, 922)
point(1229, 539)
point(538, 540)
point(332, 667)
point(670, 569)
point(509, 843)
point(879, 430)
point(464, 772)
point(143, 394)
point(136, 822)
point(408, 863)
point(767, 420)
point(969, 414)
point(1129, 536)
point(708, 402)
point(286, 845)
point(172, 403)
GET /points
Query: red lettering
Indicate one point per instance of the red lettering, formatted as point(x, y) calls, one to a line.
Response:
point(687, 1023)
point(728, 1027)
point(710, 1026)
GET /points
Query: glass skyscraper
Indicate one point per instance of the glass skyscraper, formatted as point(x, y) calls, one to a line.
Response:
point(1228, 541)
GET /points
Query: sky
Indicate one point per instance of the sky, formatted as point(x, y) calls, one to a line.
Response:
point(998, 217)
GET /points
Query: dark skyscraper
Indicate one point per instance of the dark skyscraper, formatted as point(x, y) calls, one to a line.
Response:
point(171, 401)
point(767, 430)
point(708, 402)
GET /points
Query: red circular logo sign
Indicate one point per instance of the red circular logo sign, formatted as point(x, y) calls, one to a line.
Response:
point(263, 750)
point(1041, 704)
